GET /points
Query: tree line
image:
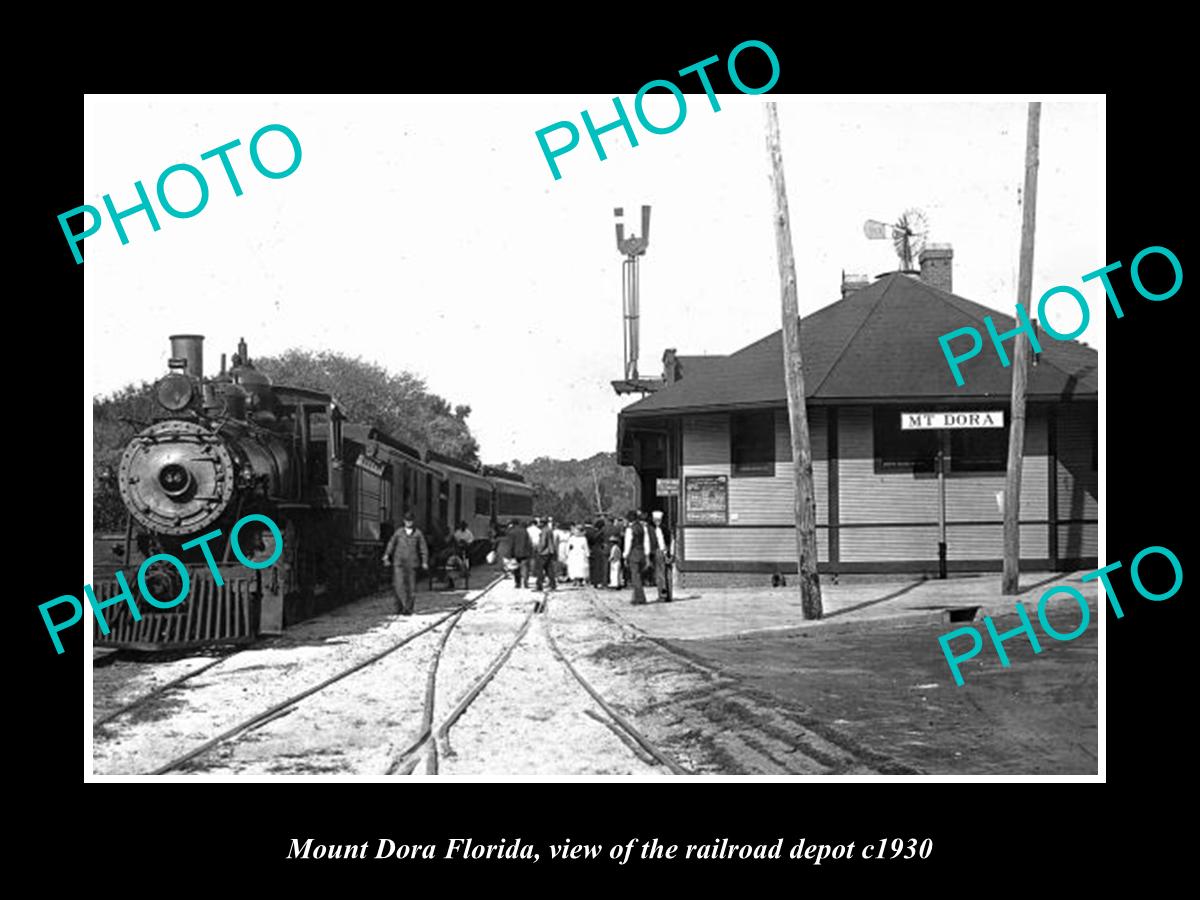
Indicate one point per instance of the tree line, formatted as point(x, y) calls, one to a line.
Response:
point(578, 490)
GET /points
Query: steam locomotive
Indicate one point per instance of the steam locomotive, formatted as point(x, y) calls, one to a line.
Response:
point(234, 444)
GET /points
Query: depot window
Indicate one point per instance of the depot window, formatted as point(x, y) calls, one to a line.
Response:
point(979, 449)
point(897, 450)
point(752, 443)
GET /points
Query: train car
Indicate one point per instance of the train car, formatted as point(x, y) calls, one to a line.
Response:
point(385, 477)
point(513, 497)
point(231, 445)
point(464, 495)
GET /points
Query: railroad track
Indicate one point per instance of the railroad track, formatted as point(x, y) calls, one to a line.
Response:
point(159, 691)
point(769, 739)
point(622, 724)
point(286, 706)
point(162, 689)
point(752, 730)
point(660, 645)
point(431, 744)
point(426, 743)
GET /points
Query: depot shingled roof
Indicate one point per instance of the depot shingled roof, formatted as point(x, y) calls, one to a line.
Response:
point(878, 343)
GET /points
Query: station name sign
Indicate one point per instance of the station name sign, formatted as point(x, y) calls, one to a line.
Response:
point(923, 421)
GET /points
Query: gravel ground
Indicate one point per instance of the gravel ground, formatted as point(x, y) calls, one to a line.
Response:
point(253, 680)
point(533, 719)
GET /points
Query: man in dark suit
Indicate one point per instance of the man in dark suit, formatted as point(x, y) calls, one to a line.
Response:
point(547, 555)
point(637, 553)
point(522, 550)
point(660, 554)
point(406, 552)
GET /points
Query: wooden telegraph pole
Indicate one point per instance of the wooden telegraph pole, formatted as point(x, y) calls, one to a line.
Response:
point(599, 502)
point(793, 373)
point(1020, 366)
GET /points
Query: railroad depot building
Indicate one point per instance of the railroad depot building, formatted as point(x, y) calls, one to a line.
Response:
point(885, 475)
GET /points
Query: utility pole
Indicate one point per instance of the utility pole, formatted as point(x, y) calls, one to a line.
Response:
point(599, 503)
point(793, 373)
point(1020, 367)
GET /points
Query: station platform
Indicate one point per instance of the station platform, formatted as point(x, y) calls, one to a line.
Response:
point(722, 612)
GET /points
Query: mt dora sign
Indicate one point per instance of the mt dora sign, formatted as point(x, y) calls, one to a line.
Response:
point(925, 421)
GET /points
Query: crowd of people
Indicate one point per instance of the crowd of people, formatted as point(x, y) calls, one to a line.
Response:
point(612, 553)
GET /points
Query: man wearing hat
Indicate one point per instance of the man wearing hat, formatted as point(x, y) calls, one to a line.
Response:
point(637, 553)
point(660, 554)
point(406, 552)
point(546, 554)
point(522, 550)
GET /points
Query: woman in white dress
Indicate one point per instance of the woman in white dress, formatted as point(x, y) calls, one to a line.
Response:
point(577, 556)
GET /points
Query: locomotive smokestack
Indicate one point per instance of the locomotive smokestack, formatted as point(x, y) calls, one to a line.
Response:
point(189, 347)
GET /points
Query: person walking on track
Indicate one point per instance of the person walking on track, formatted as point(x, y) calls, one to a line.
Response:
point(503, 554)
point(637, 554)
point(534, 530)
point(522, 549)
point(546, 560)
point(406, 552)
point(660, 554)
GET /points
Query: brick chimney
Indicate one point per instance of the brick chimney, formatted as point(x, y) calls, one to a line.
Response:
point(853, 282)
point(937, 267)
point(670, 366)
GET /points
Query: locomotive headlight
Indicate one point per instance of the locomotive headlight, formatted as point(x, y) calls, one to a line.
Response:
point(175, 391)
point(174, 479)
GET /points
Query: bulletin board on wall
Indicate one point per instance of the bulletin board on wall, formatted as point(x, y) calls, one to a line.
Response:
point(706, 500)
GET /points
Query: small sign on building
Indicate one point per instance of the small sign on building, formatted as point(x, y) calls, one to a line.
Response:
point(926, 421)
point(706, 500)
point(666, 487)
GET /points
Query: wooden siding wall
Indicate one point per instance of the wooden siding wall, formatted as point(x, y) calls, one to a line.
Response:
point(1077, 481)
point(754, 500)
point(893, 517)
point(897, 498)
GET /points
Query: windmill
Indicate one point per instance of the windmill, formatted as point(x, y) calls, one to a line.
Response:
point(907, 234)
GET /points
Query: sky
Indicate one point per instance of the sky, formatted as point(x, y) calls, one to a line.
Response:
point(428, 234)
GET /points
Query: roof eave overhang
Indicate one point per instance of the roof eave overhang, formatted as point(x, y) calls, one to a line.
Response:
point(1080, 396)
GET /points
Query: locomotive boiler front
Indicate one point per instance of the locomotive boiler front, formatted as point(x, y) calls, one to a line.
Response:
point(177, 477)
point(180, 475)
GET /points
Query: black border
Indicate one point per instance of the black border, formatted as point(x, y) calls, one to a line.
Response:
point(221, 832)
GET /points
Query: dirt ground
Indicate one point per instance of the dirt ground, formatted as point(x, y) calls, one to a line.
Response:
point(845, 695)
point(887, 683)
